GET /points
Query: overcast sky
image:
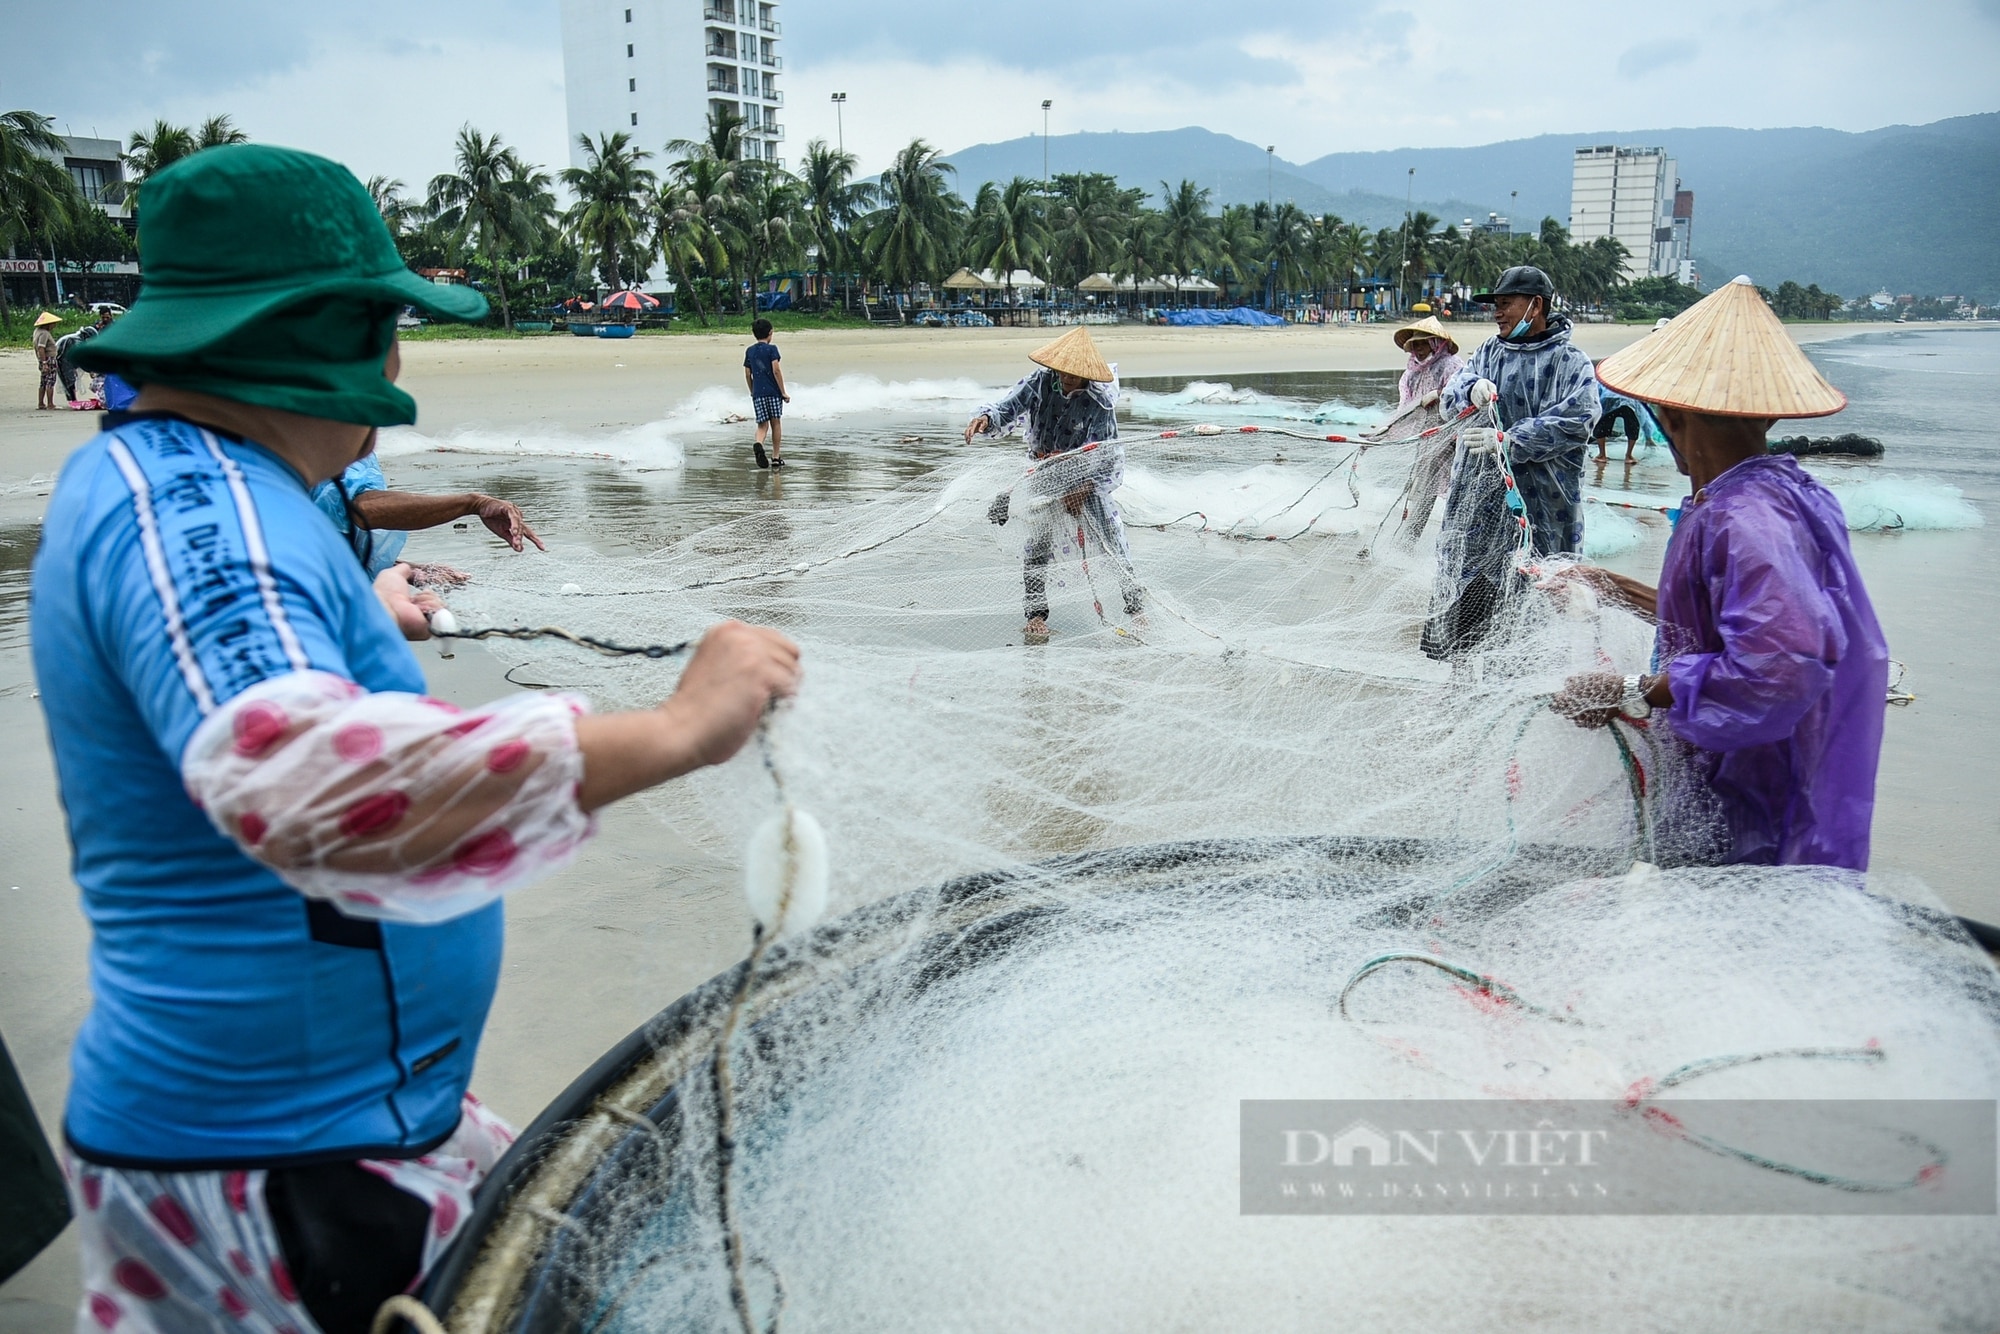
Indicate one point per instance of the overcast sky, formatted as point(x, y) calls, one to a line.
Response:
point(383, 84)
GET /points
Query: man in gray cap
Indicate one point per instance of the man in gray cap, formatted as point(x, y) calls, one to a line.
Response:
point(1544, 393)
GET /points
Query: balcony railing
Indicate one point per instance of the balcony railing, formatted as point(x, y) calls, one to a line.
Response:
point(774, 62)
point(719, 13)
point(772, 26)
point(771, 130)
point(717, 51)
point(716, 85)
point(773, 95)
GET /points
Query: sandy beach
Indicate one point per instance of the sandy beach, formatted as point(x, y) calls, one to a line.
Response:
point(641, 917)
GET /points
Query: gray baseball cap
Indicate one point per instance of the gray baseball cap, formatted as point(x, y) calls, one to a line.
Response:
point(1521, 280)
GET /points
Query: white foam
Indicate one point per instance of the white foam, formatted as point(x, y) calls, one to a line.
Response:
point(841, 398)
point(647, 448)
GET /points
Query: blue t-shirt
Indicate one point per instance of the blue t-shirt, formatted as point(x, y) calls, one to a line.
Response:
point(760, 358)
point(234, 1023)
point(385, 545)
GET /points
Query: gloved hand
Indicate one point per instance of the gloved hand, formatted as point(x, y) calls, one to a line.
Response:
point(997, 511)
point(1430, 400)
point(1483, 392)
point(1484, 441)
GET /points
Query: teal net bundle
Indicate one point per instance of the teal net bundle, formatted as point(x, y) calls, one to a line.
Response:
point(1088, 894)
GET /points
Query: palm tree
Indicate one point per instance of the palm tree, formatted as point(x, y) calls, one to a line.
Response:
point(910, 236)
point(833, 201)
point(1419, 235)
point(36, 193)
point(1139, 250)
point(769, 201)
point(1184, 230)
point(1008, 230)
point(608, 215)
point(1288, 248)
point(1465, 258)
point(153, 151)
point(494, 200)
point(1343, 252)
point(691, 215)
point(1237, 246)
point(397, 212)
point(1087, 221)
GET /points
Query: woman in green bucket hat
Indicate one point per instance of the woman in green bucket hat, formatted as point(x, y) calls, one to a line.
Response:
point(291, 858)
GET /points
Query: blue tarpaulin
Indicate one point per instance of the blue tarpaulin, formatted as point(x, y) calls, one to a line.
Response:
point(1237, 315)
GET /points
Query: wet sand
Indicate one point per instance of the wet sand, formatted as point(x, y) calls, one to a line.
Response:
point(641, 917)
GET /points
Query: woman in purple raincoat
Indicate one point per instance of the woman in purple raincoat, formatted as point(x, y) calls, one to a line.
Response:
point(1771, 665)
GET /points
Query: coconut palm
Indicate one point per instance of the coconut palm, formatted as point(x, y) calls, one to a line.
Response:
point(398, 212)
point(1086, 221)
point(1342, 253)
point(609, 212)
point(910, 236)
point(494, 201)
point(153, 151)
point(1236, 247)
point(1138, 250)
point(1185, 226)
point(1008, 229)
point(691, 219)
point(1288, 248)
point(767, 205)
point(833, 201)
point(36, 193)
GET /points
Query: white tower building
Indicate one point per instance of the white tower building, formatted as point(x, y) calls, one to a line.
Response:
point(655, 69)
point(1627, 193)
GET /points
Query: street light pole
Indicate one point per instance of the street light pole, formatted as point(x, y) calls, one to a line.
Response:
point(1046, 104)
point(1403, 273)
point(1270, 175)
point(839, 119)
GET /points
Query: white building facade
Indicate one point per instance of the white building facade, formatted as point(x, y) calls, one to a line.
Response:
point(1630, 193)
point(656, 69)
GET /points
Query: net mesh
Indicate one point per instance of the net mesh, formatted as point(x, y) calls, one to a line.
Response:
point(1042, 1133)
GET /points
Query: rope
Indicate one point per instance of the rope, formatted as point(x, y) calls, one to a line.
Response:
point(724, 1086)
point(1487, 986)
point(409, 1310)
point(595, 645)
point(1640, 1096)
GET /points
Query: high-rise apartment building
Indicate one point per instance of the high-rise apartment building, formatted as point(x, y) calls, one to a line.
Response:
point(656, 69)
point(1630, 193)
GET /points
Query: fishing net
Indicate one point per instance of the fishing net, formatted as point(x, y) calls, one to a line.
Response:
point(1168, 838)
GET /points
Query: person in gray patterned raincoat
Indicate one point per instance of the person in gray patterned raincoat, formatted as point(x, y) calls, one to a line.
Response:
point(1068, 412)
point(1545, 393)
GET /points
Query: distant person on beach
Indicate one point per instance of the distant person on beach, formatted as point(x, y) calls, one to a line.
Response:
point(66, 367)
point(766, 379)
point(1433, 361)
point(388, 517)
point(1615, 409)
point(1543, 390)
point(291, 858)
point(45, 360)
point(1070, 403)
point(1773, 670)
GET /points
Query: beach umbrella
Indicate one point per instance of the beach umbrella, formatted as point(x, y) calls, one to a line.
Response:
point(629, 300)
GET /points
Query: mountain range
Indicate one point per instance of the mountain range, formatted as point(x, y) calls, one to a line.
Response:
point(1907, 207)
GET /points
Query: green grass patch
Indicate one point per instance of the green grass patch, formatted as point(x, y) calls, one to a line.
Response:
point(23, 331)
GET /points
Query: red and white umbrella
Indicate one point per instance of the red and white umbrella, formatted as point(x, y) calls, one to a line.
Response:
point(629, 300)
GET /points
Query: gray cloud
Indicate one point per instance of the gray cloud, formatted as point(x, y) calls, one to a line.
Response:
point(1653, 57)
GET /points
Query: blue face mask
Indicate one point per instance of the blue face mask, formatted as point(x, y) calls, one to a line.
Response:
point(1519, 329)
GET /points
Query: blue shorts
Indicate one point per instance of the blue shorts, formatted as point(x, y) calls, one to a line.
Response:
point(768, 409)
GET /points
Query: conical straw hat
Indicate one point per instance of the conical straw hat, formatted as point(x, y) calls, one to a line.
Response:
point(1727, 354)
point(1073, 354)
point(1428, 327)
point(48, 317)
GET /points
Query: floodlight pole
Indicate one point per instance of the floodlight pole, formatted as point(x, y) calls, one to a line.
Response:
point(839, 120)
point(1046, 104)
point(1403, 273)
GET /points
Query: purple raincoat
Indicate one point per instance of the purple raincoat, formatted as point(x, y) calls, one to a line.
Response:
point(1778, 667)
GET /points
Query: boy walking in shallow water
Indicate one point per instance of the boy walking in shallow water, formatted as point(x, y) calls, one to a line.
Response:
point(767, 393)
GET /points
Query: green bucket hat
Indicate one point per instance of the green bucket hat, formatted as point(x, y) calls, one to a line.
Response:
point(270, 279)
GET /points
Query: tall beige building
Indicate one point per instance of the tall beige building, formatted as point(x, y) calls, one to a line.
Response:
point(1627, 193)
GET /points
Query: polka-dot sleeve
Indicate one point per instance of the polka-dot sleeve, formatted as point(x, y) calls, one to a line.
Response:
point(392, 806)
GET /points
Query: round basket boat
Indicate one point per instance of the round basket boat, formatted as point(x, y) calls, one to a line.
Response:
point(608, 1190)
